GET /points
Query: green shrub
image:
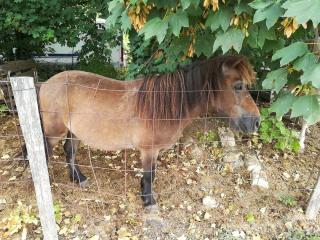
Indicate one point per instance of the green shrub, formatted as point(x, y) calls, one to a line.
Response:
point(98, 67)
point(274, 131)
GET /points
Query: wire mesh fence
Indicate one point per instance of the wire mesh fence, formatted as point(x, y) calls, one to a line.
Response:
point(186, 172)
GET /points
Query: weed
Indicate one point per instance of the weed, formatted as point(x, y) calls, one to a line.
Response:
point(3, 109)
point(207, 138)
point(274, 131)
point(19, 219)
point(288, 200)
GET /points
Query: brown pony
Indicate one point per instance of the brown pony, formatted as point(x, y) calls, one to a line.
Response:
point(148, 114)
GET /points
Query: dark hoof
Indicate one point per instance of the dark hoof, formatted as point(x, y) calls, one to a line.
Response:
point(84, 183)
point(81, 179)
point(148, 200)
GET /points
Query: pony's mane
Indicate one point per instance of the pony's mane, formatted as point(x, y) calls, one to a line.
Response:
point(172, 95)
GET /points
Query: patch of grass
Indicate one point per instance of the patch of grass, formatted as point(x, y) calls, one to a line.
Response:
point(3, 109)
point(301, 235)
point(288, 200)
point(274, 131)
point(97, 67)
point(207, 138)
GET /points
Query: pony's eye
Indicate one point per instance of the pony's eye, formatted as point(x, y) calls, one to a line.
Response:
point(238, 86)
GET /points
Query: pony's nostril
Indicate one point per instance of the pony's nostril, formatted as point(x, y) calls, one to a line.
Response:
point(257, 123)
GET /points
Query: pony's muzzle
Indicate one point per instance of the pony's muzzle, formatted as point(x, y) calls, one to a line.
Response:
point(250, 123)
point(247, 123)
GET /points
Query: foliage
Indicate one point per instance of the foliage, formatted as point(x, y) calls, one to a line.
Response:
point(275, 35)
point(3, 109)
point(250, 217)
point(98, 67)
point(19, 219)
point(288, 200)
point(30, 25)
point(207, 137)
point(274, 131)
point(57, 212)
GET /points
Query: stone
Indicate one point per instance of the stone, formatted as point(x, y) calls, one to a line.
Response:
point(209, 202)
point(234, 158)
point(226, 137)
point(252, 163)
point(259, 179)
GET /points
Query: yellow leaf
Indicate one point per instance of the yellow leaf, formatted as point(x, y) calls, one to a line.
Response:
point(206, 3)
point(215, 5)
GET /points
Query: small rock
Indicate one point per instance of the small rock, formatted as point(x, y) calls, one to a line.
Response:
point(207, 216)
point(95, 237)
point(252, 163)
point(238, 234)
point(296, 177)
point(189, 181)
point(263, 210)
point(256, 237)
point(286, 175)
point(226, 137)
point(182, 238)
point(209, 202)
point(123, 232)
point(288, 225)
point(5, 157)
point(234, 158)
point(259, 179)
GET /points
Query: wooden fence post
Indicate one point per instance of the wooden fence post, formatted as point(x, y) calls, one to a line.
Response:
point(27, 105)
point(314, 203)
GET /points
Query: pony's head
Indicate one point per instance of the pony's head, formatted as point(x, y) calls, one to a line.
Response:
point(232, 99)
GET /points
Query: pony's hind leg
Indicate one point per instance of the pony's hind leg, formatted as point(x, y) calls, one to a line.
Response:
point(148, 158)
point(70, 148)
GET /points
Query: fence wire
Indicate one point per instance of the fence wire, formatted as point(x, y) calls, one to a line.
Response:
point(114, 176)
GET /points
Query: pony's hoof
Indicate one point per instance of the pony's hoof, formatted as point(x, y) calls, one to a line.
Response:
point(84, 183)
point(148, 200)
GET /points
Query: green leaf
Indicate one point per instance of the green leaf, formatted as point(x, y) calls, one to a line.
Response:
point(271, 13)
point(306, 61)
point(232, 38)
point(203, 44)
point(250, 218)
point(282, 105)
point(125, 21)
point(303, 10)
point(260, 4)
point(115, 14)
point(220, 18)
point(312, 75)
point(177, 21)
point(308, 107)
point(155, 27)
point(265, 34)
point(242, 8)
point(291, 52)
point(186, 3)
point(276, 79)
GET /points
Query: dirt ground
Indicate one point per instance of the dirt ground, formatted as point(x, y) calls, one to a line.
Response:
point(111, 208)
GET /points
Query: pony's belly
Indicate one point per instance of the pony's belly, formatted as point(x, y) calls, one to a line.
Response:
point(104, 135)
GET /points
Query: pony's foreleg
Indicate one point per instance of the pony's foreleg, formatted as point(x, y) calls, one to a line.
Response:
point(70, 148)
point(148, 158)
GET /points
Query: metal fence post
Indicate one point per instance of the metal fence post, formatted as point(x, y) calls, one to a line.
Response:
point(26, 102)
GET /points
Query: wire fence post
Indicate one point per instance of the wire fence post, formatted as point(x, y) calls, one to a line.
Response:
point(26, 102)
point(314, 202)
